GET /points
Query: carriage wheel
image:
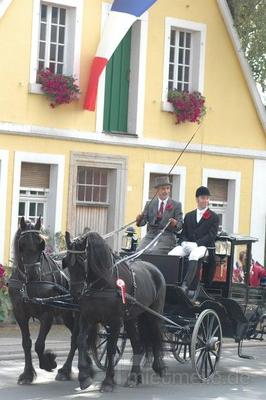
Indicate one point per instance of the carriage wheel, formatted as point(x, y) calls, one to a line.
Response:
point(182, 352)
point(99, 349)
point(206, 344)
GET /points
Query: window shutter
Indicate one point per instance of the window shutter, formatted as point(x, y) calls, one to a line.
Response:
point(34, 175)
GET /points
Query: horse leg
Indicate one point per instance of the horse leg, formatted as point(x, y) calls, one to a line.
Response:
point(108, 382)
point(46, 358)
point(65, 373)
point(29, 374)
point(156, 340)
point(134, 377)
point(84, 361)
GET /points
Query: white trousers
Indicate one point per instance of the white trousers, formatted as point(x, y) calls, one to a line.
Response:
point(190, 249)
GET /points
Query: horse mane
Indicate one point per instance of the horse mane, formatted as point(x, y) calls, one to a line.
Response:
point(100, 256)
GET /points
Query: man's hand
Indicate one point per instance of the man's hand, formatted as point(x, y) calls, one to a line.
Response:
point(173, 223)
point(139, 218)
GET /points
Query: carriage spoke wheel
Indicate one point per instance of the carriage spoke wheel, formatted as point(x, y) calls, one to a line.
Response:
point(182, 352)
point(99, 349)
point(206, 345)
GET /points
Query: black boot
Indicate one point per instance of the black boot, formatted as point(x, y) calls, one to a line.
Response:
point(190, 275)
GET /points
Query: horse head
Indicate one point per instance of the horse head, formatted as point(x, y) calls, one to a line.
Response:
point(29, 245)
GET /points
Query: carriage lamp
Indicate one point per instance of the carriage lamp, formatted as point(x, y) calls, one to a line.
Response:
point(223, 247)
point(129, 240)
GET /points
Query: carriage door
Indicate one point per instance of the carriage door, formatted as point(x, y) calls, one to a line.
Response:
point(92, 199)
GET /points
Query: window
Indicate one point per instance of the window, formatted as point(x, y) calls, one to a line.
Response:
point(219, 199)
point(52, 38)
point(184, 57)
point(56, 38)
point(33, 204)
point(180, 73)
point(92, 185)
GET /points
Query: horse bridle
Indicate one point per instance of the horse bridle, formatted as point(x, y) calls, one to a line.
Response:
point(31, 265)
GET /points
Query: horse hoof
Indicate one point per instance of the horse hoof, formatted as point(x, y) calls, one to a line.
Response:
point(133, 381)
point(26, 378)
point(48, 362)
point(107, 387)
point(63, 375)
point(85, 383)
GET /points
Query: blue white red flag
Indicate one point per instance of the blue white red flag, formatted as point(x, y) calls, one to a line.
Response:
point(122, 16)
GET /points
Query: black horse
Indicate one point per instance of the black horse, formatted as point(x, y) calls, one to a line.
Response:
point(37, 275)
point(93, 283)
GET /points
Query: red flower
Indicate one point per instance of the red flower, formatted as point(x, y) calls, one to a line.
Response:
point(2, 271)
point(169, 206)
point(207, 214)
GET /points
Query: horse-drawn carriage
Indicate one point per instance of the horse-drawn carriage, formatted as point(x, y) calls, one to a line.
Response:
point(193, 326)
point(218, 308)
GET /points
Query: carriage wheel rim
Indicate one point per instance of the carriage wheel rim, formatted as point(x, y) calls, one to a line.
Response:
point(206, 345)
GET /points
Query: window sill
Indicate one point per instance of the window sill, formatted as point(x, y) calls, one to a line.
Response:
point(114, 133)
point(166, 106)
point(35, 88)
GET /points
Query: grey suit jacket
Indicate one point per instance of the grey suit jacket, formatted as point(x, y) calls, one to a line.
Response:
point(173, 209)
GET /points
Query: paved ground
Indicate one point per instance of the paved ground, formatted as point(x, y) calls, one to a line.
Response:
point(236, 378)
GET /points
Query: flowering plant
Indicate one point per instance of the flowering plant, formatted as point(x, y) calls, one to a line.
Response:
point(61, 89)
point(187, 106)
point(5, 304)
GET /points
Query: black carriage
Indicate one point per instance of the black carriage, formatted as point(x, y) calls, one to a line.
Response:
point(218, 307)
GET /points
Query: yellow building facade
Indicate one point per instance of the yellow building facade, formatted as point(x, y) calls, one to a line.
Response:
point(65, 164)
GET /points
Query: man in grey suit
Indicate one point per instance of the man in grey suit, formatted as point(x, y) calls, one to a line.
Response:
point(156, 215)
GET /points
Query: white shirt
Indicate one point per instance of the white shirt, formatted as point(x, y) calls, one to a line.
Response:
point(162, 201)
point(200, 213)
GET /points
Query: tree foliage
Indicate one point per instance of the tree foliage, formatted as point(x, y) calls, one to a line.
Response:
point(250, 21)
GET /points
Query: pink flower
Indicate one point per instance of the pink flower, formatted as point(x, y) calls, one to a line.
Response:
point(2, 271)
point(169, 206)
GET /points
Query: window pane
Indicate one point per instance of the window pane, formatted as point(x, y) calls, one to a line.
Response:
point(54, 15)
point(171, 71)
point(180, 56)
point(96, 194)
point(52, 67)
point(60, 55)
point(40, 65)
point(32, 211)
point(54, 33)
point(81, 193)
point(172, 54)
point(187, 60)
point(180, 71)
point(52, 52)
point(42, 51)
point(170, 85)
point(21, 209)
point(89, 174)
point(40, 209)
point(59, 69)
point(181, 39)
point(173, 36)
point(96, 177)
point(43, 32)
point(103, 195)
point(44, 12)
point(81, 175)
point(186, 87)
point(62, 20)
point(188, 39)
point(61, 35)
point(88, 193)
point(179, 86)
point(186, 74)
point(104, 178)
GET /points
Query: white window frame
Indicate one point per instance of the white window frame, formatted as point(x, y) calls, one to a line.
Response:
point(233, 204)
point(3, 190)
point(56, 190)
point(198, 31)
point(4, 6)
point(74, 66)
point(138, 80)
point(31, 198)
point(163, 169)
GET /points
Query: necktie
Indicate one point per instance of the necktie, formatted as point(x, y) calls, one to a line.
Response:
point(161, 210)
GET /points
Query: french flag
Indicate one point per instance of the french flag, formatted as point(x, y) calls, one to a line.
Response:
point(122, 16)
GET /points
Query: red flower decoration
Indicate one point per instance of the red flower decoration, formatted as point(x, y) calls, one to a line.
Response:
point(207, 214)
point(2, 271)
point(169, 206)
